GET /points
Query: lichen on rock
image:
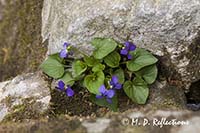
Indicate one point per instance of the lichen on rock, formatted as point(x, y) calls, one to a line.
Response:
point(24, 97)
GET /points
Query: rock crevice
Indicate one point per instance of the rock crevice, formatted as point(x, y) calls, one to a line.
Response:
point(172, 24)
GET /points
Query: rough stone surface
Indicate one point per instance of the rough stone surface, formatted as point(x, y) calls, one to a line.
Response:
point(93, 127)
point(114, 123)
point(28, 93)
point(21, 47)
point(164, 96)
point(168, 28)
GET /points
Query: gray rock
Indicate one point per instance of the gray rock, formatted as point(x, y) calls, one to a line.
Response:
point(185, 129)
point(164, 96)
point(96, 127)
point(128, 122)
point(21, 47)
point(168, 28)
point(23, 92)
point(148, 121)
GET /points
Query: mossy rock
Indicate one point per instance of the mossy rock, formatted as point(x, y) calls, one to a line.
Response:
point(27, 110)
point(21, 47)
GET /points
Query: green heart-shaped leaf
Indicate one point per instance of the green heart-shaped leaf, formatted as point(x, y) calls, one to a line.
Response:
point(67, 79)
point(103, 47)
point(56, 56)
point(78, 68)
point(148, 73)
point(98, 67)
point(91, 61)
point(112, 60)
point(141, 58)
point(52, 67)
point(137, 90)
point(94, 81)
point(120, 74)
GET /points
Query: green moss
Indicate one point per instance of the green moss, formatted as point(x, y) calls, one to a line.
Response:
point(21, 48)
point(168, 97)
point(168, 103)
point(59, 125)
point(7, 101)
point(19, 108)
point(27, 110)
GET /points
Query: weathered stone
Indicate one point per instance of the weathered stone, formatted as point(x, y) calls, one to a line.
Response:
point(185, 129)
point(168, 28)
point(119, 122)
point(164, 96)
point(98, 126)
point(26, 96)
point(21, 47)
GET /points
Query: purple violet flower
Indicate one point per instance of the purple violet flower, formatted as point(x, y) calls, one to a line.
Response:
point(65, 51)
point(129, 46)
point(114, 83)
point(69, 92)
point(108, 94)
point(61, 86)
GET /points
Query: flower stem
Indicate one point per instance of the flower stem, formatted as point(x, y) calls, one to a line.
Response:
point(68, 66)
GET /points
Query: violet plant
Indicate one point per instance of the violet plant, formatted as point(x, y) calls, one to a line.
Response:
point(112, 67)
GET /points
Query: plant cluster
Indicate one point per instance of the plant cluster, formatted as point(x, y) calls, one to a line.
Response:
point(112, 66)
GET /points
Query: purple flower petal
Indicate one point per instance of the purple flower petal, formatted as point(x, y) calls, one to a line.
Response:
point(61, 85)
point(124, 52)
point(65, 45)
point(132, 47)
point(114, 79)
point(118, 86)
point(127, 44)
point(102, 89)
point(99, 96)
point(129, 56)
point(109, 100)
point(63, 53)
point(110, 93)
point(69, 91)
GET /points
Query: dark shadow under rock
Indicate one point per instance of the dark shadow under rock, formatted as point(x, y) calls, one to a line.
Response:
point(193, 96)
